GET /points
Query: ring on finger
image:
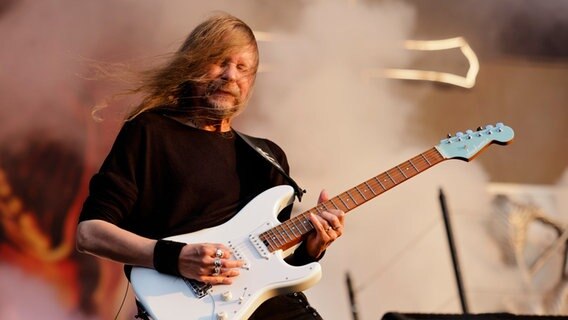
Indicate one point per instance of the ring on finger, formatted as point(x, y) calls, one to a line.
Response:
point(217, 262)
point(219, 253)
point(216, 271)
point(328, 228)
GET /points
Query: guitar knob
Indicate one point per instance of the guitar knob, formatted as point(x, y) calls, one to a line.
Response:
point(222, 316)
point(227, 296)
point(499, 124)
point(489, 127)
point(468, 131)
point(449, 135)
point(479, 128)
point(459, 135)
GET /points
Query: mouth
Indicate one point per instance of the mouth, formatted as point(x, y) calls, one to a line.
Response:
point(223, 92)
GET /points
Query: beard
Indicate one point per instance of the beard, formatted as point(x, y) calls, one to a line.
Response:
point(223, 98)
point(212, 101)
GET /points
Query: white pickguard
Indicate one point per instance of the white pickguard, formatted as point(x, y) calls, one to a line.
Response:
point(166, 297)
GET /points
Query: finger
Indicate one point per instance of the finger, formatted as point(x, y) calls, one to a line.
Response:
point(323, 196)
point(335, 218)
point(227, 263)
point(319, 225)
point(216, 250)
point(229, 272)
point(217, 280)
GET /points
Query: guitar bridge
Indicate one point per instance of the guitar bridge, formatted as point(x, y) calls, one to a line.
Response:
point(200, 289)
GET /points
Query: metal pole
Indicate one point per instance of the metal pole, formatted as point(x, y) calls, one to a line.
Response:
point(352, 302)
point(455, 261)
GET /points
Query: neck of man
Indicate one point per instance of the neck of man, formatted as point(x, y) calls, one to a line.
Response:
point(223, 126)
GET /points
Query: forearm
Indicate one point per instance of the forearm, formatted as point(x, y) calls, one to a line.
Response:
point(103, 239)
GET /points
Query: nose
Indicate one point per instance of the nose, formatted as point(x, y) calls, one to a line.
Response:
point(230, 72)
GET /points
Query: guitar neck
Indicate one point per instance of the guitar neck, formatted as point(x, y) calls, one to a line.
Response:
point(295, 229)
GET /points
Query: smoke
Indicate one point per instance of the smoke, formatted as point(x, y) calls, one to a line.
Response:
point(317, 94)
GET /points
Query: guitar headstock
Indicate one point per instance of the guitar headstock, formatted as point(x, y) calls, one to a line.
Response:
point(467, 145)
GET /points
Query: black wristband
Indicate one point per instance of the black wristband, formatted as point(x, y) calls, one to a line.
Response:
point(166, 256)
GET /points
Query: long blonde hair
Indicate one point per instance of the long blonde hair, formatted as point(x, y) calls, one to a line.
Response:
point(210, 41)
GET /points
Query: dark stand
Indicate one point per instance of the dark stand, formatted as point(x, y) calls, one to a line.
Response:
point(455, 261)
point(352, 302)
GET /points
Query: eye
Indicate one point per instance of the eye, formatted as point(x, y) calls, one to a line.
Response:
point(242, 67)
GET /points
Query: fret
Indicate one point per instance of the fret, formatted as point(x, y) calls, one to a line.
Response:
point(285, 232)
point(387, 172)
point(399, 169)
point(369, 187)
point(302, 223)
point(361, 193)
point(324, 206)
point(280, 234)
point(274, 236)
point(379, 181)
point(333, 203)
point(271, 245)
point(309, 223)
point(350, 196)
point(294, 226)
point(345, 204)
point(426, 159)
point(417, 171)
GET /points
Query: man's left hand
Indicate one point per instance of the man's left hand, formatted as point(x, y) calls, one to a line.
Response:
point(328, 226)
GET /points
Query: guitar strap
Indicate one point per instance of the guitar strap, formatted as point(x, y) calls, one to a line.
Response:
point(262, 148)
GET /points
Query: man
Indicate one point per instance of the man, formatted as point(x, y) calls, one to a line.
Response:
point(177, 167)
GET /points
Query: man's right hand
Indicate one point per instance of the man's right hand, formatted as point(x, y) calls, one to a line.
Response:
point(199, 262)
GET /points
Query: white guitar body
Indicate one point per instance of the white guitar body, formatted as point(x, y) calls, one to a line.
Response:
point(266, 274)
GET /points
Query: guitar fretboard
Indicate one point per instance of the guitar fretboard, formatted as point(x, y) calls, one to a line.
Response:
point(295, 229)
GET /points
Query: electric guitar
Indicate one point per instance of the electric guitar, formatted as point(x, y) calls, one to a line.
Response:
point(257, 237)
